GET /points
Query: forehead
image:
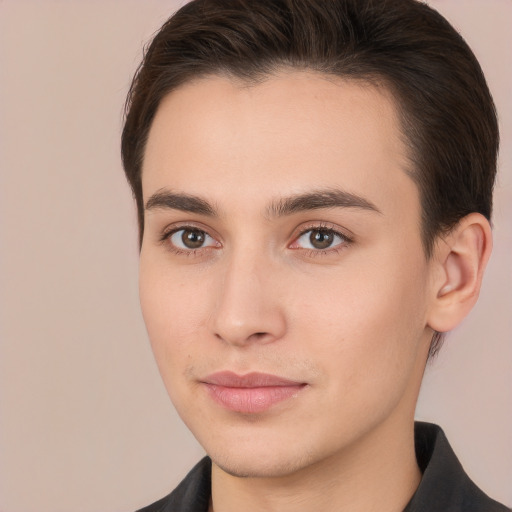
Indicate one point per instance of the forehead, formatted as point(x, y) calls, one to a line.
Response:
point(290, 132)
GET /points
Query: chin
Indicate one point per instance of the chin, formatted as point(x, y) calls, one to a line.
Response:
point(253, 464)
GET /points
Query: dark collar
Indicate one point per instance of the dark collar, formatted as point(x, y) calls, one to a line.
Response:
point(444, 487)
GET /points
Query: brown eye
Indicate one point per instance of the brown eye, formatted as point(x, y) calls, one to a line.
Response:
point(190, 239)
point(321, 239)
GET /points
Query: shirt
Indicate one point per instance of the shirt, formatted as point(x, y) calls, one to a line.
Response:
point(444, 487)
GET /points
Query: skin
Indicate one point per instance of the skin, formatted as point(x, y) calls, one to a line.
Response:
point(352, 321)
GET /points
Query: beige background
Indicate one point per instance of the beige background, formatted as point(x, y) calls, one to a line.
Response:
point(85, 424)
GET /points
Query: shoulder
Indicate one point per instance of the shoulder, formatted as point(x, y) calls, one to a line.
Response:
point(192, 494)
point(445, 485)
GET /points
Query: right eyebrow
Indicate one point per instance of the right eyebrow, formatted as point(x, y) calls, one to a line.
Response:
point(165, 199)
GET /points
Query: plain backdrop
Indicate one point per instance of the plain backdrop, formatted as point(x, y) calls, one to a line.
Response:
point(85, 423)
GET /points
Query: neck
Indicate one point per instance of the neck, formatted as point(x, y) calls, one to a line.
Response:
point(370, 475)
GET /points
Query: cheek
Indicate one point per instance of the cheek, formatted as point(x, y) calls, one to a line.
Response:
point(368, 320)
point(174, 314)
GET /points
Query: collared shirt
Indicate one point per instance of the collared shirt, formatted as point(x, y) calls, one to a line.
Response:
point(444, 486)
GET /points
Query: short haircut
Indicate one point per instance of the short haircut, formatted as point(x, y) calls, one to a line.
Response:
point(447, 115)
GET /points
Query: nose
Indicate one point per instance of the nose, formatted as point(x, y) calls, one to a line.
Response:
point(249, 308)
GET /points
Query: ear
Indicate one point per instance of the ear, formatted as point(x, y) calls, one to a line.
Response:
point(459, 261)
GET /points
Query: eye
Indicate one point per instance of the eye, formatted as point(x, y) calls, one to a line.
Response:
point(319, 239)
point(188, 239)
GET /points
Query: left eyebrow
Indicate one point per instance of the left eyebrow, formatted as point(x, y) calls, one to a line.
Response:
point(319, 199)
point(165, 199)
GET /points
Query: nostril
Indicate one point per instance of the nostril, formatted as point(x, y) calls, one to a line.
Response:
point(259, 335)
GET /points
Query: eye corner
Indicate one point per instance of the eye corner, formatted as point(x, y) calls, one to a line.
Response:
point(188, 240)
point(320, 239)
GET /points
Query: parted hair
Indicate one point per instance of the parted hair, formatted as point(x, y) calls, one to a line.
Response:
point(447, 115)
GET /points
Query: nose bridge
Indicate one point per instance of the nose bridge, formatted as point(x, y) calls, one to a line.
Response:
point(247, 308)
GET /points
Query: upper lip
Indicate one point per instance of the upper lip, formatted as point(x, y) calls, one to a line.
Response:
point(250, 380)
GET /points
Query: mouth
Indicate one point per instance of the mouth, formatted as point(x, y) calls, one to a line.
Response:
point(251, 393)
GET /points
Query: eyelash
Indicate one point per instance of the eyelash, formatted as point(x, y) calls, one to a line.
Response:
point(166, 239)
point(326, 228)
point(310, 253)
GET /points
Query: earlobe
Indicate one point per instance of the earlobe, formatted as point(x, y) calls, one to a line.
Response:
point(459, 262)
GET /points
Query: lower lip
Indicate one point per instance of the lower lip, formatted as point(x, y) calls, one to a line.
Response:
point(252, 400)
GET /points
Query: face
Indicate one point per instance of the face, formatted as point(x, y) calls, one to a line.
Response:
point(282, 275)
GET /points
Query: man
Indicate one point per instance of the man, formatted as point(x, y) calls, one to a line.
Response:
point(314, 188)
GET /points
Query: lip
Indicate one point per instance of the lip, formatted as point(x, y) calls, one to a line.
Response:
point(251, 393)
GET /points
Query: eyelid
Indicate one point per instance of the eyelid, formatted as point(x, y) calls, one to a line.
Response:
point(192, 225)
point(343, 233)
point(168, 231)
point(206, 242)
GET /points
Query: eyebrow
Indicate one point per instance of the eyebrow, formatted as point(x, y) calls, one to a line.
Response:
point(315, 200)
point(320, 199)
point(164, 199)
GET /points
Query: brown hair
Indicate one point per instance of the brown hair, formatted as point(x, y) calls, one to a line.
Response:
point(447, 113)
